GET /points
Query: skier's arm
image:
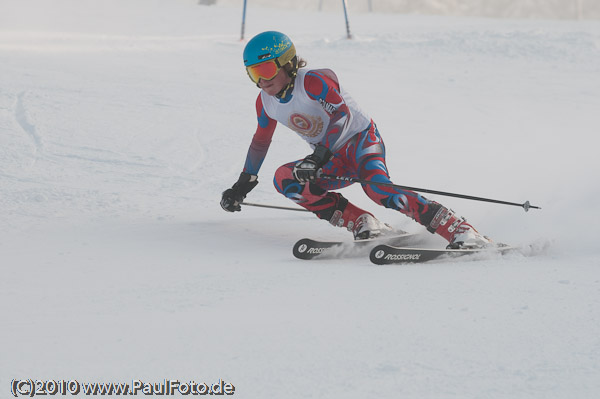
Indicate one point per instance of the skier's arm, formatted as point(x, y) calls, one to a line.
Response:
point(326, 91)
point(261, 140)
point(232, 197)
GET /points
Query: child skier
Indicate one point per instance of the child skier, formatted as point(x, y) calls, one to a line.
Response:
point(345, 142)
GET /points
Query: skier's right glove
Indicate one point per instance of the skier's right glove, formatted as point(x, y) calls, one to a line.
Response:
point(230, 201)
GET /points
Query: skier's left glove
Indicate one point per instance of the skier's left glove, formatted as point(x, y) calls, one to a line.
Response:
point(230, 201)
point(308, 169)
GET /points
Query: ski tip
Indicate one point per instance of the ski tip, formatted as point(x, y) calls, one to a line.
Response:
point(301, 249)
point(377, 254)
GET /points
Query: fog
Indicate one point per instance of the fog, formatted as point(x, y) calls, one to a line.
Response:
point(547, 9)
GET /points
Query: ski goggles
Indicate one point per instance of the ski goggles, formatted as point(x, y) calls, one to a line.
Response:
point(265, 70)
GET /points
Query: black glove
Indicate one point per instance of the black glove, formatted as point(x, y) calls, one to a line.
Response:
point(230, 201)
point(308, 169)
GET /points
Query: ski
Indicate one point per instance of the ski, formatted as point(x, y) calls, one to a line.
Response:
point(307, 248)
point(385, 254)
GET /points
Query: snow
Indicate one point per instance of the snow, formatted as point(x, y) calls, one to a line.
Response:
point(121, 122)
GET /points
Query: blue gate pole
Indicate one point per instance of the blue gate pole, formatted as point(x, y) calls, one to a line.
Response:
point(347, 23)
point(243, 20)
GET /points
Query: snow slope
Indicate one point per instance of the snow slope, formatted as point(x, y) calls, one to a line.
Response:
point(121, 122)
point(546, 9)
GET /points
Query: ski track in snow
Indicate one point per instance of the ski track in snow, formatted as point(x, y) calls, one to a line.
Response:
point(117, 262)
point(28, 128)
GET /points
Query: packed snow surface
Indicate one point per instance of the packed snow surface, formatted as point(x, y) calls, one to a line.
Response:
point(122, 121)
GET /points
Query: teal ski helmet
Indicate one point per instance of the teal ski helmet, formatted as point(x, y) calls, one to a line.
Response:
point(266, 53)
point(268, 46)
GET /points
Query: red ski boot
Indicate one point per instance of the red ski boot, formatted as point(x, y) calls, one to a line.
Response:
point(456, 230)
point(360, 222)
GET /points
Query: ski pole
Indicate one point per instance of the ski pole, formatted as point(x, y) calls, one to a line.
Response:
point(243, 20)
point(526, 205)
point(287, 208)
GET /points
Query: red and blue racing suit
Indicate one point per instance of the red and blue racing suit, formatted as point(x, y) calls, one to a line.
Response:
point(358, 150)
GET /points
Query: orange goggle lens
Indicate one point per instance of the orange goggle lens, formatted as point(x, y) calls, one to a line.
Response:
point(265, 70)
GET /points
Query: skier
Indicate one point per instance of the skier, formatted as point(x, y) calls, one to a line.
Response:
point(345, 142)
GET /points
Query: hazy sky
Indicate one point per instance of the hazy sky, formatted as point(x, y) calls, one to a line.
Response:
point(561, 9)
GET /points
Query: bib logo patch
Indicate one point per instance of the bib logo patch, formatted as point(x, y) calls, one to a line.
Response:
point(305, 125)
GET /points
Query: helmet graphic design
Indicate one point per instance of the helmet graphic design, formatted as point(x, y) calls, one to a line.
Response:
point(267, 46)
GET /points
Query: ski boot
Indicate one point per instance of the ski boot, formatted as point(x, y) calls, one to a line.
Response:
point(361, 223)
point(466, 237)
point(459, 233)
point(368, 226)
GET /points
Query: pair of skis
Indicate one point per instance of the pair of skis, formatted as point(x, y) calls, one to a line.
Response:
point(384, 251)
point(393, 249)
